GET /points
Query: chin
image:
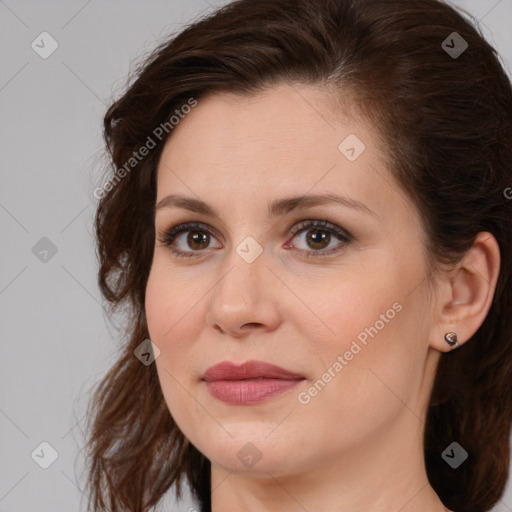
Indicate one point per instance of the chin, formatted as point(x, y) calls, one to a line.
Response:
point(254, 453)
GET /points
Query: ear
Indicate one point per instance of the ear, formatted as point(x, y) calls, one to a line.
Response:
point(466, 292)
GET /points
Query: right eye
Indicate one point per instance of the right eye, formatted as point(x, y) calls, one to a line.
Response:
point(198, 239)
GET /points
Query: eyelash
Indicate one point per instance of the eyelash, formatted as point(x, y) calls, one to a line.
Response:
point(344, 237)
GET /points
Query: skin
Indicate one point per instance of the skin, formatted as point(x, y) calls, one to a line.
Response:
point(357, 444)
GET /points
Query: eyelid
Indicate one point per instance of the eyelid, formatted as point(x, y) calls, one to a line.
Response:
point(176, 229)
point(322, 223)
point(296, 226)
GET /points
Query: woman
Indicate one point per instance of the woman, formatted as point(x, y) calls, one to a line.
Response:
point(309, 228)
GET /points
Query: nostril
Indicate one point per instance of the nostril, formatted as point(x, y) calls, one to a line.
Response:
point(251, 324)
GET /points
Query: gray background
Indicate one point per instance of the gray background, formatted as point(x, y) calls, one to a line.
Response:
point(56, 342)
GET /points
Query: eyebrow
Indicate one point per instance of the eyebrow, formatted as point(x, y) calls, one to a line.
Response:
point(275, 208)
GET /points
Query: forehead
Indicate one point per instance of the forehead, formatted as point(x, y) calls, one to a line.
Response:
point(287, 140)
point(289, 114)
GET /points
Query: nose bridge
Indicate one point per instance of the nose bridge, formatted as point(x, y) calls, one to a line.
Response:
point(246, 260)
point(239, 285)
point(242, 294)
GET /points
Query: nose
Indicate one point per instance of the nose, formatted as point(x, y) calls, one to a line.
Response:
point(245, 299)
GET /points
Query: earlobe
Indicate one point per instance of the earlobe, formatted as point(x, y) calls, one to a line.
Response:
point(469, 293)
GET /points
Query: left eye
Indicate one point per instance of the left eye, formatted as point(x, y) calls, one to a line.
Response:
point(319, 235)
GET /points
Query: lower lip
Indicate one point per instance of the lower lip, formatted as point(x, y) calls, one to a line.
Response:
point(249, 391)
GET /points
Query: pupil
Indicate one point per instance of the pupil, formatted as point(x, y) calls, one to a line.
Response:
point(319, 238)
point(197, 238)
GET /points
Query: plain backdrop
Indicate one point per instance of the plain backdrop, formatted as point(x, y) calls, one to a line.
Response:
point(56, 342)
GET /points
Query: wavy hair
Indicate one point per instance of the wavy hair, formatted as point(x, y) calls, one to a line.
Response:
point(445, 123)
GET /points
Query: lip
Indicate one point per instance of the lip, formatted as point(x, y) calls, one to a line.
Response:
point(248, 383)
point(227, 370)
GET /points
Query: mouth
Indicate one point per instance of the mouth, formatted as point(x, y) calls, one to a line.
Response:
point(249, 383)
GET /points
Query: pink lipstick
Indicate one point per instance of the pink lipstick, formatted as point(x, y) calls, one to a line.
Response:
point(249, 383)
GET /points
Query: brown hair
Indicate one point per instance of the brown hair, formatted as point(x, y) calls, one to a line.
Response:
point(445, 122)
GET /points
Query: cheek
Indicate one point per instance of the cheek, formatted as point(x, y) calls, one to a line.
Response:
point(172, 320)
point(362, 330)
point(157, 302)
point(185, 410)
point(168, 323)
point(363, 380)
point(347, 308)
point(374, 365)
point(169, 305)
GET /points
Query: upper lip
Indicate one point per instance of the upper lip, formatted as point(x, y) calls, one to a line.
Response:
point(227, 370)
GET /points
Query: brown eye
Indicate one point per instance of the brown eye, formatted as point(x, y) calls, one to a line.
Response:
point(319, 234)
point(318, 239)
point(198, 240)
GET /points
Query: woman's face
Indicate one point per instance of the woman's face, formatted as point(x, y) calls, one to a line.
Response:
point(344, 305)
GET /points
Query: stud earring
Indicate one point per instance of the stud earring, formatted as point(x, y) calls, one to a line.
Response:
point(451, 339)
